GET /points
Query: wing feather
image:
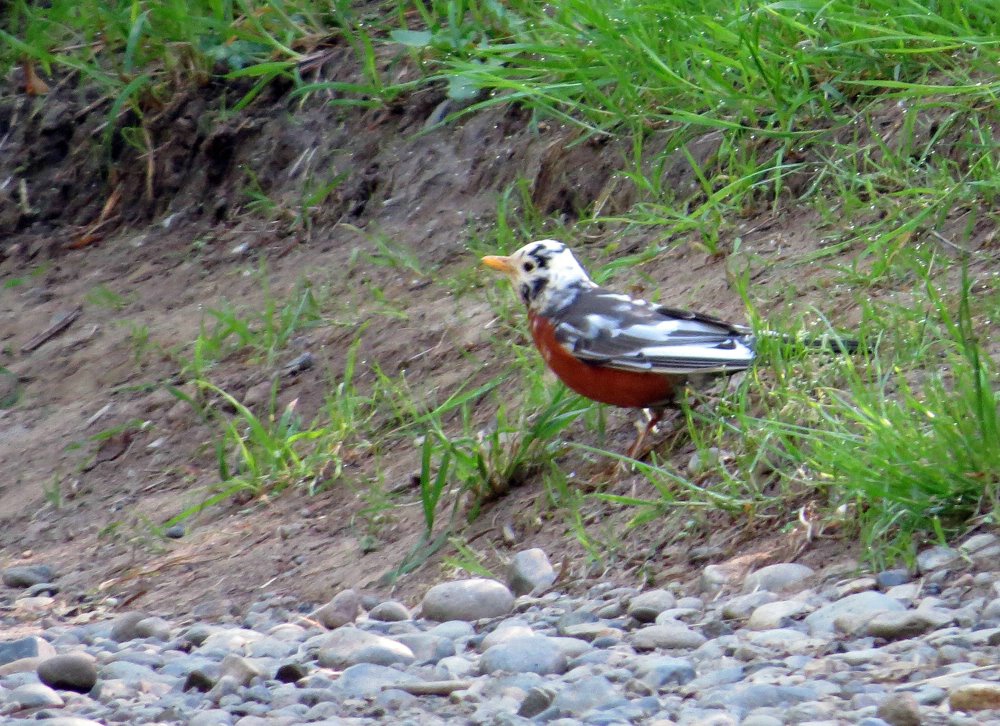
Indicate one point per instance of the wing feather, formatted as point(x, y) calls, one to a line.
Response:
point(619, 332)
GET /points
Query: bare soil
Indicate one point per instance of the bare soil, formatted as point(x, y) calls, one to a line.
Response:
point(174, 232)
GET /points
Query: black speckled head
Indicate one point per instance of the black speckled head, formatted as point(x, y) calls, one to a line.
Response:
point(545, 274)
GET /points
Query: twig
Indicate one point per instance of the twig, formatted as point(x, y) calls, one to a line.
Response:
point(946, 676)
point(941, 238)
point(62, 322)
point(430, 688)
point(150, 163)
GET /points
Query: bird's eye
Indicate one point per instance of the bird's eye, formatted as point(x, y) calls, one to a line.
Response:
point(528, 266)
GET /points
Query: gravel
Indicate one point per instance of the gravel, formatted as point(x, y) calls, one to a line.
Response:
point(782, 645)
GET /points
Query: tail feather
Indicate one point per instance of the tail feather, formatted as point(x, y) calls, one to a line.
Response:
point(829, 342)
point(834, 344)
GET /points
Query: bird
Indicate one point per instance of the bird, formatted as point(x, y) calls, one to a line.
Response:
point(614, 348)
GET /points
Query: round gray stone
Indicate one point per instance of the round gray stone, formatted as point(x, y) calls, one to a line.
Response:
point(594, 692)
point(659, 671)
point(348, 646)
point(22, 576)
point(124, 627)
point(344, 608)
point(532, 654)
point(743, 699)
point(153, 627)
point(936, 558)
point(862, 606)
point(891, 578)
point(427, 648)
point(670, 637)
point(507, 630)
point(210, 717)
point(390, 611)
point(741, 606)
point(530, 571)
point(991, 613)
point(900, 709)
point(34, 695)
point(472, 599)
point(29, 647)
point(369, 679)
point(901, 625)
point(647, 605)
point(243, 670)
point(775, 614)
point(69, 672)
point(779, 577)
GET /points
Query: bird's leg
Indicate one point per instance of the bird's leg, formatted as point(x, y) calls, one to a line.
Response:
point(653, 417)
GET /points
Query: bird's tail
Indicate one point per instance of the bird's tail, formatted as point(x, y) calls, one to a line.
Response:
point(833, 344)
point(828, 342)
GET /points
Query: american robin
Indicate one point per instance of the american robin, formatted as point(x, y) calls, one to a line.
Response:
point(614, 348)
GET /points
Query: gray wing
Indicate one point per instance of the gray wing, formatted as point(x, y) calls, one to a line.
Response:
point(619, 332)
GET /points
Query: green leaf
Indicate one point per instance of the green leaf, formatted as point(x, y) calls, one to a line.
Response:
point(462, 87)
point(412, 38)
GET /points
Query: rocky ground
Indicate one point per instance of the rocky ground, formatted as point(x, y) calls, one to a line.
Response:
point(783, 644)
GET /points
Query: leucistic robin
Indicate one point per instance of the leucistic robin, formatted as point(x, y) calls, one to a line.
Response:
point(614, 348)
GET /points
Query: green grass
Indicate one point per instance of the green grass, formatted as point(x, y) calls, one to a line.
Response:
point(261, 335)
point(875, 119)
point(903, 438)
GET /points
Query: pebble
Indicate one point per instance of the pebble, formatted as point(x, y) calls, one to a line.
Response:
point(900, 709)
point(778, 578)
point(742, 606)
point(348, 646)
point(611, 656)
point(468, 600)
point(530, 654)
point(979, 696)
point(69, 672)
point(34, 695)
point(124, 627)
point(23, 576)
point(29, 647)
point(646, 606)
point(344, 608)
point(936, 558)
point(860, 606)
point(892, 578)
point(898, 625)
point(667, 637)
point(775, 614)
point(390, 611)
point(530, 572)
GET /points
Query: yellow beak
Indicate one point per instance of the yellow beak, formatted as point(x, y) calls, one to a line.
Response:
point(500, 264)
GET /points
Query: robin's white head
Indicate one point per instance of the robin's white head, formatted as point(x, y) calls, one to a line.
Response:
point(545, 274)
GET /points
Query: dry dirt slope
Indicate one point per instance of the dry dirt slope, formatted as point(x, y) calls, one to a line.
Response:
point(182, 230)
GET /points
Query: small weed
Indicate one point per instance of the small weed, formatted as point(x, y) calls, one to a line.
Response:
point(140, 341)
point(259, 455)
point(265, 333)
point(467, 560)
point(103, 297)
point(53, 492)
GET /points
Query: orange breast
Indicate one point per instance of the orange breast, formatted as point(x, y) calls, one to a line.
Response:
point(628, 389)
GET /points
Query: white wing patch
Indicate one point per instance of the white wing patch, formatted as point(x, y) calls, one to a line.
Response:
point(615, 331)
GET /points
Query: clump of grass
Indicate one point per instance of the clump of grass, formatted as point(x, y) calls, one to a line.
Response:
point(265, 454)
point(914, 450)
point(264, 333)
point(114, 44)
point(902, 438)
